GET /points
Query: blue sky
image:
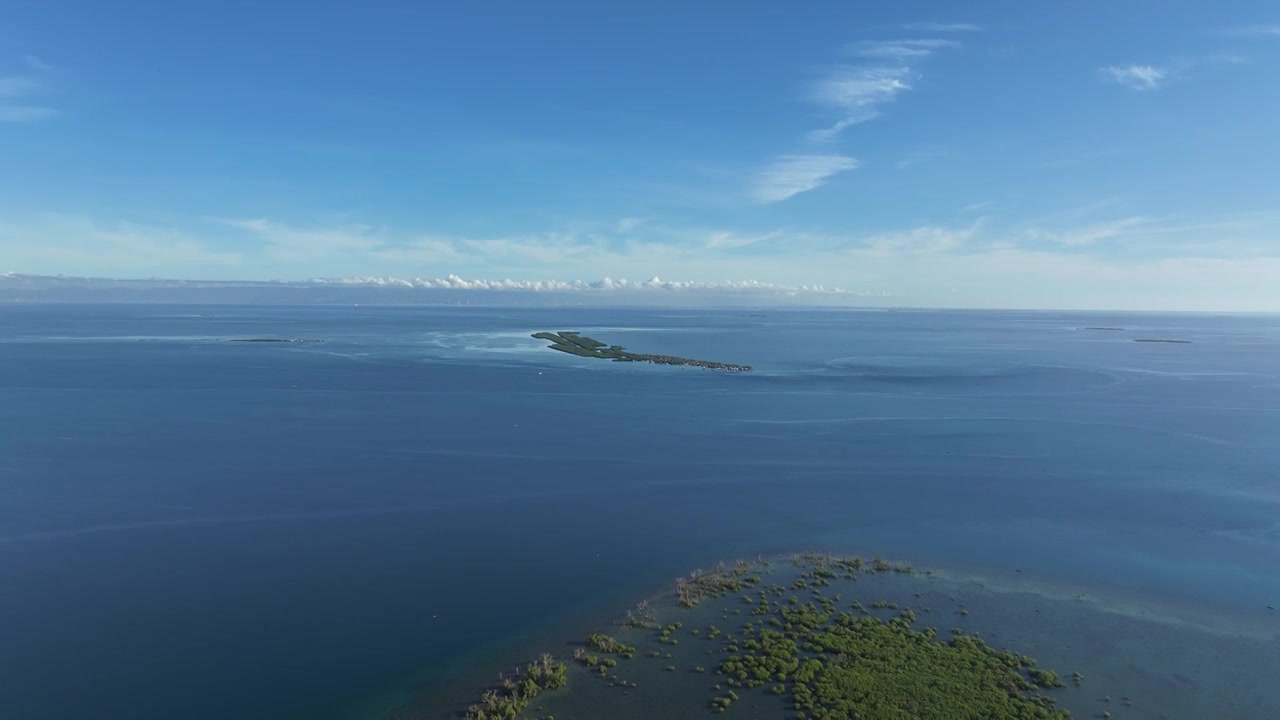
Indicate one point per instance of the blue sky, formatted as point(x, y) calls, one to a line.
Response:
point(1085, 154)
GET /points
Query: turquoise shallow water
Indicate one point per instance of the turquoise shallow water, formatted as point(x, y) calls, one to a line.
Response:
point(204, 529)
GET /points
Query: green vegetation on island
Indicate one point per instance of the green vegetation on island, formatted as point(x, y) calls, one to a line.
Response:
point(513, 696)
point(574, 343)
point(816, 658)
point(607, 644)
point(724, 579)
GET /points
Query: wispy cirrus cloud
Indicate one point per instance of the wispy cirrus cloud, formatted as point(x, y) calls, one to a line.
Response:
point(858, 92)
point(36, 63)
point(855, 93)
point(900, 49)
point(922, 240)
point(1089, 235)
point(627, 224)
point(17, 86)
point(19, 93)
point(943, 27)
point(1137, 77)
point(791, 175)
point(77, 244)
point(25, 113)
point(978, 207)
point(728, 240)
point(916, 157)
point(1262, 31)
point(1145, 77)
point(311, 244)
point(288, 242)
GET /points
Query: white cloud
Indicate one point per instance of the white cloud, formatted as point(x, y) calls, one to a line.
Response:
point(726, 240)
point(943, 27)
point(1092, 234)
point(1223, 58)
point(540, 249)
point(16, 91)
point(850, 88)
point(916, 157)
point(606, 284)
point(78, 245)
point(1180, 69)
point(855, 93)
point(315, 245)
point(17, 86)
point(25, 113)
point(926, 239)
point(977, 207)
point(1254, 31)
point(35, 63)
point(1138, 77)
point(900, 49)
point(626, 225)
point(791, 175)
point(287, 242)
point(826, 134)
point(858, 93)
point(419, 250)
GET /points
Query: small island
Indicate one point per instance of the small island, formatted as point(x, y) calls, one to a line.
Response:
point(1162, 340)
point(276, 340)
point(574, 343)
point(786, 637)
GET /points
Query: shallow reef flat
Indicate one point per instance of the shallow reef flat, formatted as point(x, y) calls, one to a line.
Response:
point(827, 637)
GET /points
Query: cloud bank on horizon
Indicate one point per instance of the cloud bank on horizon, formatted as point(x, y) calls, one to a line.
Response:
point(454, 282)
point(12, 280)
point(1012, 157)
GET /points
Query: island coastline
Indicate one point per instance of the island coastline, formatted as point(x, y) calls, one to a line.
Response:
point(574, 343)
point(784, 642)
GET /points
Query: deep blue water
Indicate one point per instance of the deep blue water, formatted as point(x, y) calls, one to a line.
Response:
point(201, 529)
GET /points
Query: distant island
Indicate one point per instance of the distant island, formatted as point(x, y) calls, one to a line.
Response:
point(575, 343)
point(276, 340)
point(1141, 340)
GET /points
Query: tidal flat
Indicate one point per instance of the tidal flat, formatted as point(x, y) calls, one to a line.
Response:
point(825, 636)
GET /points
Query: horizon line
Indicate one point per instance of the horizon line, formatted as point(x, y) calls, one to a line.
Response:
point(783, 297)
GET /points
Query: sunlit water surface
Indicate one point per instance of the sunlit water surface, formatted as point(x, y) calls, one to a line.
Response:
point(202, 529)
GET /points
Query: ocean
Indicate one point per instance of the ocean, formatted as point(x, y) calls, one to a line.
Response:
point(197, 528)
